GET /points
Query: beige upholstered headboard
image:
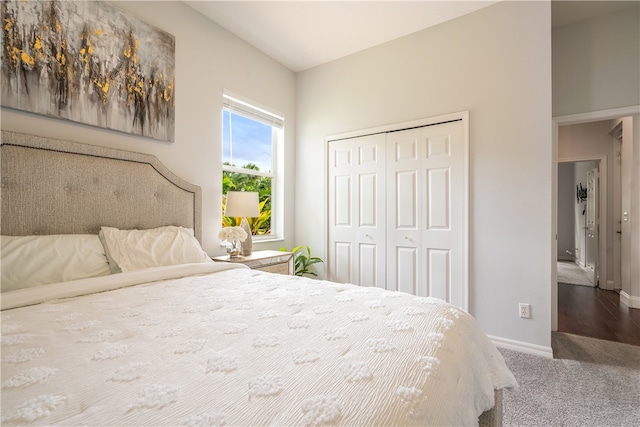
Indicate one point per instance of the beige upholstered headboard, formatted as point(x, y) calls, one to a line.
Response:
point(51, 186)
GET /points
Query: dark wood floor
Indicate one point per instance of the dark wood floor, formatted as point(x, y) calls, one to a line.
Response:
point(597, 313)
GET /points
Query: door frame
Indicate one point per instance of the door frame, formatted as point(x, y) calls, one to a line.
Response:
point(556, 123)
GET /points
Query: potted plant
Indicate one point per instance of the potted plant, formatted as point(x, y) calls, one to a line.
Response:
point(303, 261)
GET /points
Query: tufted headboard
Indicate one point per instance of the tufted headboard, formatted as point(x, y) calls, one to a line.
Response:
point(51, 186)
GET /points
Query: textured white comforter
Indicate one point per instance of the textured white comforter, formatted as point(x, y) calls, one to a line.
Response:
point(241, 347)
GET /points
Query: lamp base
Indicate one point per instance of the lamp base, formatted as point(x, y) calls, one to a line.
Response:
point(247, 245)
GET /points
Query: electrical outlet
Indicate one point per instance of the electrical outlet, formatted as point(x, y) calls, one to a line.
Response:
point(525, 310)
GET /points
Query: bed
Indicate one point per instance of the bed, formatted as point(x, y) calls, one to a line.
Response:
point(112, 314)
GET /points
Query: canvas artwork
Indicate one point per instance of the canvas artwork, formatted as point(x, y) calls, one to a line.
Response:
point(88, 62)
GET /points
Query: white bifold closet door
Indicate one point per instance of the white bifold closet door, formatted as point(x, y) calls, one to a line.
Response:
point(357, 210)
point(426, 212)
point(398, 211)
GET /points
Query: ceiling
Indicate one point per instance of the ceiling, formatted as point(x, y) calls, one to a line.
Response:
point(304, 34)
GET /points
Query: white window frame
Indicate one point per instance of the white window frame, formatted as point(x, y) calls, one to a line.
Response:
point(239, 105)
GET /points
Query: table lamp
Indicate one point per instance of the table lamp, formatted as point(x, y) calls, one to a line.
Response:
point(243, 204)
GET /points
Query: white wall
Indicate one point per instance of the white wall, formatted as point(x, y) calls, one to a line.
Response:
point(208, 59)
point(596, 63)
point(566, 205)
point(496, 63)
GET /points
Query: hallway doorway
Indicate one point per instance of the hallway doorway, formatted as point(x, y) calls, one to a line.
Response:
point(578, 215)
point(593, 308)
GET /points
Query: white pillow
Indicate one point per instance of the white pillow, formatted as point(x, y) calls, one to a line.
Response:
point(29, 261)
point(135, 249)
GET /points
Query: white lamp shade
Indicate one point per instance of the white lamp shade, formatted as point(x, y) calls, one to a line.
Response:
point(242, 204)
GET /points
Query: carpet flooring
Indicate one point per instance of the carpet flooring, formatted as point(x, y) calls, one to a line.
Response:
point(589, 382)
point(571, 273)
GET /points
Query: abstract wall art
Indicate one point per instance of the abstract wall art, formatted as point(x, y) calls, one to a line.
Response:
point(88, 62)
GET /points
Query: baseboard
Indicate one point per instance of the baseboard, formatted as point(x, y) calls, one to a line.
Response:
point(523, 347)
point(629, 301)
point(566, 258)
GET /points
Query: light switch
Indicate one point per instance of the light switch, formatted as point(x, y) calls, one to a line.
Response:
point(625, 216)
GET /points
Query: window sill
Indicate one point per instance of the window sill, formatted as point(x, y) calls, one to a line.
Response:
point(267, 240)
point(261, 241)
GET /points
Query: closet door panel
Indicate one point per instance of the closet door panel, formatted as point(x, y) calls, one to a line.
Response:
point(341, 216)
point(370, 235)
point(342, 262)
point(438, 208)
point(368, 274)
point(403, 211)
point(405, 145)
point(438, 273)
point(444, 204)
point(367, 200)
point(342, 201)
point(357, 210)
point(406, 200)
point(406, 278)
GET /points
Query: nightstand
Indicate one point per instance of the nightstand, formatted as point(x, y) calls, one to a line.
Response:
point(271, 261)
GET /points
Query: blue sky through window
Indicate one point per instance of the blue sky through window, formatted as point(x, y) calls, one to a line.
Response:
point(251, 141)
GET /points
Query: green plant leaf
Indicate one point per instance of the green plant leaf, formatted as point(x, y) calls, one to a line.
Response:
point(302, 261)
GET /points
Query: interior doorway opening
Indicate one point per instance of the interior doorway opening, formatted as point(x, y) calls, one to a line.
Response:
point(579, 222)
point(609, 258)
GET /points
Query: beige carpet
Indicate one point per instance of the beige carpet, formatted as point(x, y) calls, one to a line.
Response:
point(589, 382)
point(571, 273)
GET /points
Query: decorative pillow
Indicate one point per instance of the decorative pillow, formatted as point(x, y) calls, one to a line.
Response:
point(29, 261)
point(130, 250)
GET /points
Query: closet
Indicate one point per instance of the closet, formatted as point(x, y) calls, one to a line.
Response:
point(398, 208)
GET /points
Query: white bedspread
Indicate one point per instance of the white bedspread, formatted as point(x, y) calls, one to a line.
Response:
point(242, 347)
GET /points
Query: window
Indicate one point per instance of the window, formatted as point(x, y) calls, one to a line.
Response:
point(251, 137)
